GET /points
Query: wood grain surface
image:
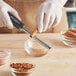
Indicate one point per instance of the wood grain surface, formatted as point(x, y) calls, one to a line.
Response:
point(60, 61)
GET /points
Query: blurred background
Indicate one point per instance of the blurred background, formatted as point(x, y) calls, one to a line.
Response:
point(27, 10)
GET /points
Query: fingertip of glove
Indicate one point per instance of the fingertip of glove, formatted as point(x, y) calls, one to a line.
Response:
point(40, 30)
point(10, 26)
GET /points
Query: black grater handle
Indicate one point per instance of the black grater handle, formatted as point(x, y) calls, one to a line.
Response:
point(17, 23)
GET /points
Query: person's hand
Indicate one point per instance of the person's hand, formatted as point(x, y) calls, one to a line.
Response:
point(4, 17)
point(49, 14)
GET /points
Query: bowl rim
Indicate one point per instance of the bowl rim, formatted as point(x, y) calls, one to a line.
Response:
point(65, 35)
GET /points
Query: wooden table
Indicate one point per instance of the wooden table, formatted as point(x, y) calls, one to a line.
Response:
point(60, 61)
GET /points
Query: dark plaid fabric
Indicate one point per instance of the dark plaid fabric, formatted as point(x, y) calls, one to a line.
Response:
point(69, 3)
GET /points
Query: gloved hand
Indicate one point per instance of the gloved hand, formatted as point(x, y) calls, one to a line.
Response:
point(4, 17)
point(49, 14)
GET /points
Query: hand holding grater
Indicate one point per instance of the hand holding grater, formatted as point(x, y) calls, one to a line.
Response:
point(19, 25)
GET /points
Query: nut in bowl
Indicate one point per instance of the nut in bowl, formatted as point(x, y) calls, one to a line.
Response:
point(69, 37)
point(21, 69)
point(34, 48)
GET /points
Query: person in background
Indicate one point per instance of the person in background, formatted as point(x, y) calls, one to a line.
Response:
point(69, 3)
point(49, 14)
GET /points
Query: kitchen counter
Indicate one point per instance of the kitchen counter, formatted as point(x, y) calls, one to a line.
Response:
point(60, 61)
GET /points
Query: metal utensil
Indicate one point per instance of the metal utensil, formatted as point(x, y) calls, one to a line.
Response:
point(19, 25)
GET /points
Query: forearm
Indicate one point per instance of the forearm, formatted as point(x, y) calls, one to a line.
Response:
point(59, 3)
point(62, 2)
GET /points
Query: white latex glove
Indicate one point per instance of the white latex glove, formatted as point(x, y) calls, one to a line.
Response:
point(49, 14)
point(4, 17)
